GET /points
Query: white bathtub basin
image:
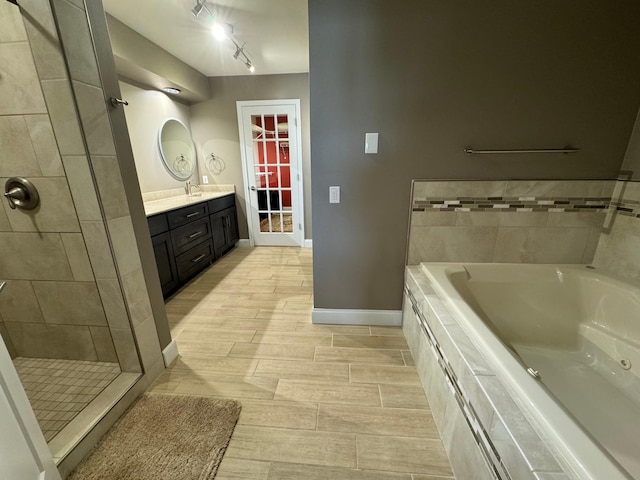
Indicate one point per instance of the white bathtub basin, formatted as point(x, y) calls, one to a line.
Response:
point(581, 331)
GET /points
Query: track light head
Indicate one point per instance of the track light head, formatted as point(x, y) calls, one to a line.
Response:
point(197, 9)
point(250, 66)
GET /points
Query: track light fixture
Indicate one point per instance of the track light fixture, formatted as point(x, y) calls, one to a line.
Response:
point(222, 31)
point(241, 53)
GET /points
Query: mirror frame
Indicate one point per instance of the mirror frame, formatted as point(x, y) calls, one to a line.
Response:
point(168, 164)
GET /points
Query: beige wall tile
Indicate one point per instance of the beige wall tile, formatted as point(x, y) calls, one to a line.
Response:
point(557, 188)
point(77, 43)
point(125, 350)
point(284, 352)
point(541, 245)
point(52, 341)
point(431, 218)
point(576, 219)
point(34, 256)
point(55, 213)
point(328, 392)
point(124, 245)
point(103, 344)
point(240, 469)
point(290, 471)
point(44, 144)
point(459, 189)
point(592, 245)
point(148, 343)
point(403, 396)
point(110, 185)
point(70, 303)
point(451, 244)
point(5, 226)
point(95, 120)
point(18, 303)
point(43, 37)
point(303, 370)
point(63, 117)
point(4, 336)
point(82, 188)
point(384, 374)
point(502, 219)
point(19, 86)
point(111, 296)
point(137, 297)
point(77, 256)
point(279, 414)
point(619, 248)
point(377, 421)
point(402, 454)
point(294, 446)
point(99, 250)
point(359, 355)
point(11, 25)
point(19, 157)
point(370, 341)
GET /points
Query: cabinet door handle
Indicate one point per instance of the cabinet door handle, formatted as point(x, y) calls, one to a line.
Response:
point(194, 235)
point(193, 214)
point(198, 258)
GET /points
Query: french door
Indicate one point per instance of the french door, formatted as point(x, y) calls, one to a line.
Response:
point(270, 138)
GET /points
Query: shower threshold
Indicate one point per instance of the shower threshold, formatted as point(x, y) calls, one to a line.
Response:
point(69, 397)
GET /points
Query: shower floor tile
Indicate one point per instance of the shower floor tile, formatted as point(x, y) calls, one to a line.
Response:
point(59, 389)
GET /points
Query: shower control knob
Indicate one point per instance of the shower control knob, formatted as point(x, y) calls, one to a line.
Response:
point(21, 193)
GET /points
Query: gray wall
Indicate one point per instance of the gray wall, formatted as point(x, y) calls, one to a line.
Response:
point(214, 125)
point(434, 77)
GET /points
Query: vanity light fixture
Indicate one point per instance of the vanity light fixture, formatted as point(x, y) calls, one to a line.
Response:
point(171, 90)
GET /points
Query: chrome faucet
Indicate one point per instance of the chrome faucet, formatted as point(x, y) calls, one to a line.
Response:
point(189, 188)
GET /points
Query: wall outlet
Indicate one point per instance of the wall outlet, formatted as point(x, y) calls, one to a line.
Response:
point(334, 194)
point(205, 179)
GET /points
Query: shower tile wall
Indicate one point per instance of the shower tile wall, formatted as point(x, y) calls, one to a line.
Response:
point(619, 247)
point(507, 221)
point(51, 306)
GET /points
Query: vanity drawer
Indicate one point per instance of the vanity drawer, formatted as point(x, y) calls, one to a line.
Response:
point(187, 214)
point(196, 259)
point(158, 224)
point(186, 236)
point(221, 203)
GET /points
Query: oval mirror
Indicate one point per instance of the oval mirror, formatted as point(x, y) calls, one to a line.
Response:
point(177, 149)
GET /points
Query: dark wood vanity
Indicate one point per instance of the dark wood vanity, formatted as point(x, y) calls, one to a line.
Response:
point(188, 239)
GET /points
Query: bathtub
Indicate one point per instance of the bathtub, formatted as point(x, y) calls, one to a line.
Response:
point(565, 341)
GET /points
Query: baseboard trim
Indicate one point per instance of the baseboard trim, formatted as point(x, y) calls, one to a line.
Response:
point(308, 243)
point(170, 353)
point(387, 318)
point(244, 242)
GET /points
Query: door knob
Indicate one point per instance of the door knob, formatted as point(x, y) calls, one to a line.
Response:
point(21, 193)
point(252, 188)
point(116, 102)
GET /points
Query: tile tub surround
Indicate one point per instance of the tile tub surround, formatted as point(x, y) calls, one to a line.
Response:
point(480, 424)
point(619, 247)
point(507, 221)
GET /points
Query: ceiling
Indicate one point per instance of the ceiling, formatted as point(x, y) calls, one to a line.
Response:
point(275, 32)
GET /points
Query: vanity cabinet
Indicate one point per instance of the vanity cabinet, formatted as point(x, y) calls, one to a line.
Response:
point(188, 239)
point(224, 224)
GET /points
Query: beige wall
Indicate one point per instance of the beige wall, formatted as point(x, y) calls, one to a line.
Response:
point(433, 77)
point(147, 110)
point(214, 125)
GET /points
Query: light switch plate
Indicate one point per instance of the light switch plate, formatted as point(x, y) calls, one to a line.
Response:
point(205, 179)
point(334, 194)
point(370, 143)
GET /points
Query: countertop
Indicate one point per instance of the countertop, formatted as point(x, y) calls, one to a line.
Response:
point(153, 207)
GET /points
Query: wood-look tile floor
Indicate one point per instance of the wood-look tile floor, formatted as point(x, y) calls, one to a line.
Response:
point(318, 402)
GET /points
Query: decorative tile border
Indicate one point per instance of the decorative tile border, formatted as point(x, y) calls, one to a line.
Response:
point(514, 204)
point(630, 208)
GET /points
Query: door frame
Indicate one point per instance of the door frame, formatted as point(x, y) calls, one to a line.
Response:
point(295, 102)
